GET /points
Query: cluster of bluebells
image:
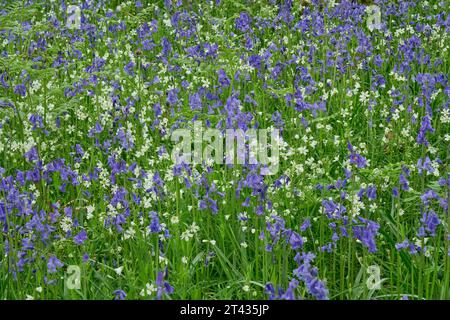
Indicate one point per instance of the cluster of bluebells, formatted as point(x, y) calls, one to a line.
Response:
point(87, 114)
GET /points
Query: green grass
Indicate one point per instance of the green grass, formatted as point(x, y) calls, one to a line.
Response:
point(238, 265)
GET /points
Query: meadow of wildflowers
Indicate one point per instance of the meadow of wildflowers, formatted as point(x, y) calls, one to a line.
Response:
point(93, 204)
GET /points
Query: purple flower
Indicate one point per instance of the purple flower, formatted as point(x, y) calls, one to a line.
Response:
point(395, 192)
point(20, 89)
point(306, 225)
point(223, 79)
point(162, 286)
point(424, 128)
point(425, 165)
point(6, 104)
point(129, 68)
point(430, 221)
point(404, 185)
point(445, 182)
point(195, 101)
point(427, 195)
point(402, 245)
point(4, 79)
point(80, 237)
point(294, 239)
point(308, 274)
point(31, 155)
point(243, 22)
point(166, 46)
point(277, 119)
point(371, 192)
point(366, 234)
point(53, 264)
point(356, 158)
point(413, 249)
point(255, 61)
point(155, 227)
point(172, 96)
point(289, 294)
point(270, 290)
point(119, 295)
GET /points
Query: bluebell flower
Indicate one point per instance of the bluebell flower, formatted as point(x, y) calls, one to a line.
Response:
point(223, 79)
point(367, 234)
point(308, 274)
point(243, 22)
point(424, 128)
point(371, 192)
point(430, 221)
point(80, 237)
point(119, 295)
point(356, 158)
point(162, 285)
point(53, 264)
point(155, 227)
point(20, 89)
